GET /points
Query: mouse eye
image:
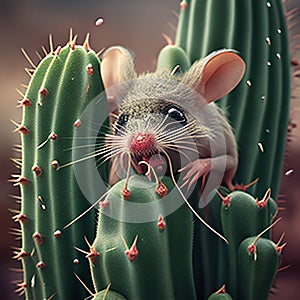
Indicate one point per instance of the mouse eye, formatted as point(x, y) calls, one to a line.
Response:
point(122, 120)
point(175, 113)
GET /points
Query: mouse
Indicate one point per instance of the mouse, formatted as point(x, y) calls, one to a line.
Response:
point(161, 117)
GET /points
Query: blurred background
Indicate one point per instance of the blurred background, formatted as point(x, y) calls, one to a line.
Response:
point(137, 25)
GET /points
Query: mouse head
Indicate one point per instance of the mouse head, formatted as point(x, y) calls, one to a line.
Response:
point(151, 101)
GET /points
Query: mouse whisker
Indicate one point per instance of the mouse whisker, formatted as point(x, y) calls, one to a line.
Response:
point(188, 204)
point(179, 151)
point(83, 146)
point(89, 156)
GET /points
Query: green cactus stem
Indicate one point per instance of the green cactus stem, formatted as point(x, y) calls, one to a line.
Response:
point(258, 109)
point(65, 81)
point(151, 260)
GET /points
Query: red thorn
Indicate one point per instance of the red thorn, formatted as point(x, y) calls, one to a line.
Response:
point(22, 129)
point(264, 201)
point(243, 187)
point(280, 248)
point(73, 43)
point(20, 218)
point(92, 255)
point(161, 223)
point(77, 123)
point(37, 170)
point(89, 69)
point(183, 5)
point(40, 265)
point(53, 136)
point(221, 290)
point(126, 193)
point(22, 180)
point(55, 164)
point(252, 249)
point(57, 51)
point(22, 285)
point(44, 92)
point(132, 253)
point(225, 199)
point(161, 190)
point(24, 102)
point(57, 233)
point(168, 39)
point(100, 52)
point(86, 43)
point(104, 204)
point(20, 255)
point(39, 239)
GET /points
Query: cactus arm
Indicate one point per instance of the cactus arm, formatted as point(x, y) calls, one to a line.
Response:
point(60, 89)
point(27, 191)
point(161, 253)
point(257, 274)
point(170, 57)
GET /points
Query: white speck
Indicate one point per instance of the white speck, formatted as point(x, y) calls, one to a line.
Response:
point(76, 261)
point(267, 130)
point(279, 30)
point(99, 22)
point(269, 4)
point(268, 63)
point(261, 147)
point(249, 83)
point(32, 281)
point(278, 55)
point(289, 172)
point(263, 98)
point(268, 40)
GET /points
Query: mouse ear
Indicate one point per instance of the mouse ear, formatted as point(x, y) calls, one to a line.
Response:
point(216, 75)
point(117, 65)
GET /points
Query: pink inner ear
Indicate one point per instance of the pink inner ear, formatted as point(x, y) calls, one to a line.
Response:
point(223, 80)
point(110, 68)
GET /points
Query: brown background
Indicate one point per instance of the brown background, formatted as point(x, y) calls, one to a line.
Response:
point(137, 25)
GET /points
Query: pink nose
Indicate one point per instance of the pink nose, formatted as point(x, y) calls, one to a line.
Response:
point(142, 142)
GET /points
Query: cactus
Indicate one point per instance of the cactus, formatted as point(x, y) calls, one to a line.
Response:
point(65, 81)
point(170, 256)
point(258, 109)
point(143, 260)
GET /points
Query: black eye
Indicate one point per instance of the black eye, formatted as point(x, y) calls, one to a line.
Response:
point(121, 122)
point(175, 113)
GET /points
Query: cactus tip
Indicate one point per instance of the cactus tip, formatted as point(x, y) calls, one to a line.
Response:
point(183, 4)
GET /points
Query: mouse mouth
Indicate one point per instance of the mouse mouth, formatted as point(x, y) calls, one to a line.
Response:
point(156, 161)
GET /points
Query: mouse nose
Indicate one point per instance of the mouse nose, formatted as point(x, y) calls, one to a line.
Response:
point(142, 142)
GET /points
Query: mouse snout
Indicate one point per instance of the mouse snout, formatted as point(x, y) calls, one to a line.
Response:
point(141, 143)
